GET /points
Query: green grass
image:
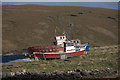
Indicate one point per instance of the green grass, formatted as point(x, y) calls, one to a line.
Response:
point(95, 60)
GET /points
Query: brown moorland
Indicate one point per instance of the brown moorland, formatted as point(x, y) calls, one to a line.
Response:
point(34, 25)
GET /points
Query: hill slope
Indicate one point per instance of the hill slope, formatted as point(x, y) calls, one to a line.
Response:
point(34, 25)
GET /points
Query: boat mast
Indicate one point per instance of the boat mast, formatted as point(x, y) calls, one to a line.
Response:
point(62, 25)
point(69, 29)
point(55, 30)
point(68, 33)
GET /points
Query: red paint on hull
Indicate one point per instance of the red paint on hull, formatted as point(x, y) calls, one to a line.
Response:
point(46, 55)
point(37, 55)
point(75, 53)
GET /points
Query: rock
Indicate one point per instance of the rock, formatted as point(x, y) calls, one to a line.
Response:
point(27, 73)
point(77, 75)
point(96, 70)
point(69, 72)
point(91, 73)
point(24, 70)
point(54, 73)
point(77, 70)
point(17, 73)
point(12, 74)
point(69, 75)
point(84, 73)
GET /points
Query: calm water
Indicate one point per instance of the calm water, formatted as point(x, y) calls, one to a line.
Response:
point(9, 58)
point(110, 5)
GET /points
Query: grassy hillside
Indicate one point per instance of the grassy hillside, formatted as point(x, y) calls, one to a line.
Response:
point(34, 25)
point(98, 58)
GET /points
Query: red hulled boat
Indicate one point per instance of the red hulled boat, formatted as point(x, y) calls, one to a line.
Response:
point(63, 49)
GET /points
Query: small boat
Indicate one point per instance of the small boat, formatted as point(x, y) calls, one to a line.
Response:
point(63, 49)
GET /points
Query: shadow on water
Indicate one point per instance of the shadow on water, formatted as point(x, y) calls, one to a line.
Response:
point(9, 58)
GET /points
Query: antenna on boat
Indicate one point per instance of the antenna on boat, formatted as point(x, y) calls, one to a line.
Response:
point(70, 28)
point(55, 30)
point(62, 25)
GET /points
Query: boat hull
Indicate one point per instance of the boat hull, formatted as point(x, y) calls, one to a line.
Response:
point(39, 56)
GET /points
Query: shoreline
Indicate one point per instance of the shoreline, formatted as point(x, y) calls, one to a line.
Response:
point(75, 74)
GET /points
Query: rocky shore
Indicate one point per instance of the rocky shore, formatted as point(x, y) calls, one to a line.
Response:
point(77, 74)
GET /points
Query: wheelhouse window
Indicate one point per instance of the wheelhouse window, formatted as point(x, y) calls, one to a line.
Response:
point(74, 41)
point(77, 41)
point(60, 37)
point(70, 44)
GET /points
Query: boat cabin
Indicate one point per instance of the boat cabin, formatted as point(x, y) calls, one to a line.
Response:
point(69, 47)
point(60, 40)
point(76, 42)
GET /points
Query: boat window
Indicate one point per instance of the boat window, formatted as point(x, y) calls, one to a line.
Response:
point(70, 44)
point(77, 41)
point(63, 37)
point(74, 41)
point(60, 37)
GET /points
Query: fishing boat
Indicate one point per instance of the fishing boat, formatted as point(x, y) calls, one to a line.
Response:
point(63, 48)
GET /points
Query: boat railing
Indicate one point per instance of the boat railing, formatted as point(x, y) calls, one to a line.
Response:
point(45, 49)
point(79, 47)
